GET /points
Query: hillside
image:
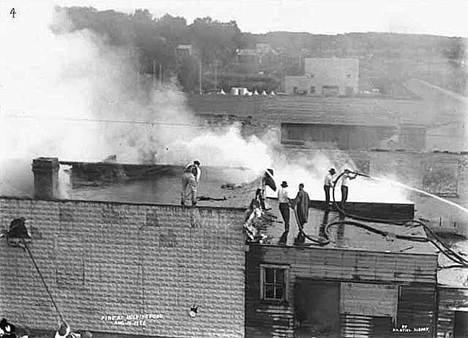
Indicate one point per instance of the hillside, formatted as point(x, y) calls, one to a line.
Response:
point(387, 60)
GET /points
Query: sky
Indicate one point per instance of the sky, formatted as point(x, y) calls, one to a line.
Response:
point(436, 17)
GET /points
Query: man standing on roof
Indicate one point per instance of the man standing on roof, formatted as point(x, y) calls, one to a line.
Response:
point(301, 202)
point(327, 185)
point(348, 175)
point(284, 202)
point(190, 177)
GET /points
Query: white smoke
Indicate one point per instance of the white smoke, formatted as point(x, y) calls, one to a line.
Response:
point(72, 96)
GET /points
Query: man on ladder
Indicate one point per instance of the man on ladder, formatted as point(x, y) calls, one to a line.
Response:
point(190, 177)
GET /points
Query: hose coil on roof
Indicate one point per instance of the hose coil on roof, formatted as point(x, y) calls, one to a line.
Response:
point(432, 238)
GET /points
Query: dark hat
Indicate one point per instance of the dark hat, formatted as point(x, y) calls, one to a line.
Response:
point(196, 162)
point(284, 184)
point(332, 170)
point(6, 327)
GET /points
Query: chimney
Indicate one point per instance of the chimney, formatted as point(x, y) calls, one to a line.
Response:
point(46, 181)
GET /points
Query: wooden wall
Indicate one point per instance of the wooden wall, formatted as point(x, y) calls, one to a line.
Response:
point(413, 275)
point(450, 301)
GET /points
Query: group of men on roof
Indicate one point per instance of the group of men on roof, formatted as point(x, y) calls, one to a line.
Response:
point(302, 199)
point(192, 173)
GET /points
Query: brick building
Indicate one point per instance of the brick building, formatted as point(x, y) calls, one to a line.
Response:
point(326, 77)
point(128, 269)
point(122, 268)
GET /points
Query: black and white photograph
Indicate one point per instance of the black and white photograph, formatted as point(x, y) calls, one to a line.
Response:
point(238, 169)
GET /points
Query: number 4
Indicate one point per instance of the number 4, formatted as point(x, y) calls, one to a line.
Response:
point(13, 12)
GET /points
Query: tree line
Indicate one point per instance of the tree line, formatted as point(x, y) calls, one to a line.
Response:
point(216, 44)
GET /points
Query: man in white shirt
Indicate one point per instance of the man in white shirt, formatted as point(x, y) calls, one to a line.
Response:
point(327, 185)
point(65, 331)
point(347, 176)
point(190, 177)
point(284, 202)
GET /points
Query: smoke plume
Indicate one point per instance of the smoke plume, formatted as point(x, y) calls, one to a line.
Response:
point(68, 94)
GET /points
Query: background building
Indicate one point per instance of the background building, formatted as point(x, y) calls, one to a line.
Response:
point(326, 77)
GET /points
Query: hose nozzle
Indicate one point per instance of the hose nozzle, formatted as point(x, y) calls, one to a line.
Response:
point(360, 174)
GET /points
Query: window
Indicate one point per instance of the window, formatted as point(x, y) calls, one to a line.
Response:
point(273, 282)
point(330, 90)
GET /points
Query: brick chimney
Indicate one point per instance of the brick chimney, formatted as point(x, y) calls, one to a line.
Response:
point(46, 181)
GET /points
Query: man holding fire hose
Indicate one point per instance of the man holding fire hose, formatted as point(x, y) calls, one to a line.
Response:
point(191, 178)
point(347, 176)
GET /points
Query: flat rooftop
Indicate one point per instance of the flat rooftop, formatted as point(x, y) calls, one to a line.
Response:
point(235, 188)
point(347, 236)
point(158, 184)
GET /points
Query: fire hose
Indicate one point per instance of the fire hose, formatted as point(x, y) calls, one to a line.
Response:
point(315, 241)
point(42, 278)
point(432, 237)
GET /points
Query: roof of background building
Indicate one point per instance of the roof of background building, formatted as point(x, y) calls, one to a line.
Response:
point(317, 110)
point(450, 107)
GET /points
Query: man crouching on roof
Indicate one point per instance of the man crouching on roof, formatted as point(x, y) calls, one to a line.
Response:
point(190, 177)
point(64, 331)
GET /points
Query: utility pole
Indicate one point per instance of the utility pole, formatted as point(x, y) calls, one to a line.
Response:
point(138, 79)
point(160, 75)
point(154, 74)
point(216, 76)
point(200, 78)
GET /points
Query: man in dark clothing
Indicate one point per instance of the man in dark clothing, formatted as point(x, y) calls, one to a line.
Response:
point(301, 202)
point(7, 330)
point(190, 177)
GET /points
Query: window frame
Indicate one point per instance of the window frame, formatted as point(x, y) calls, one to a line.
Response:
point(263, 284)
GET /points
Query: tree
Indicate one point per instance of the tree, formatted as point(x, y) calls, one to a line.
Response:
point(215, 40)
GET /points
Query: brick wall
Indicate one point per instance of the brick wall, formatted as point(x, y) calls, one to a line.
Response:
point(108, 259)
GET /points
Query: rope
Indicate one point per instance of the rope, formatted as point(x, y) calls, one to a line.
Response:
point(42, 278)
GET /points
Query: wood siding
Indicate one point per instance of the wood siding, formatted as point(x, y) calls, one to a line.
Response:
point(404, 270)
point(417, 310)
point(450, 301)
point(373, 300)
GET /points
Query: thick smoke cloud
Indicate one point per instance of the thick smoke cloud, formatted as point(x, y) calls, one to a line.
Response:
point(70, 95)
point(79, 99)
